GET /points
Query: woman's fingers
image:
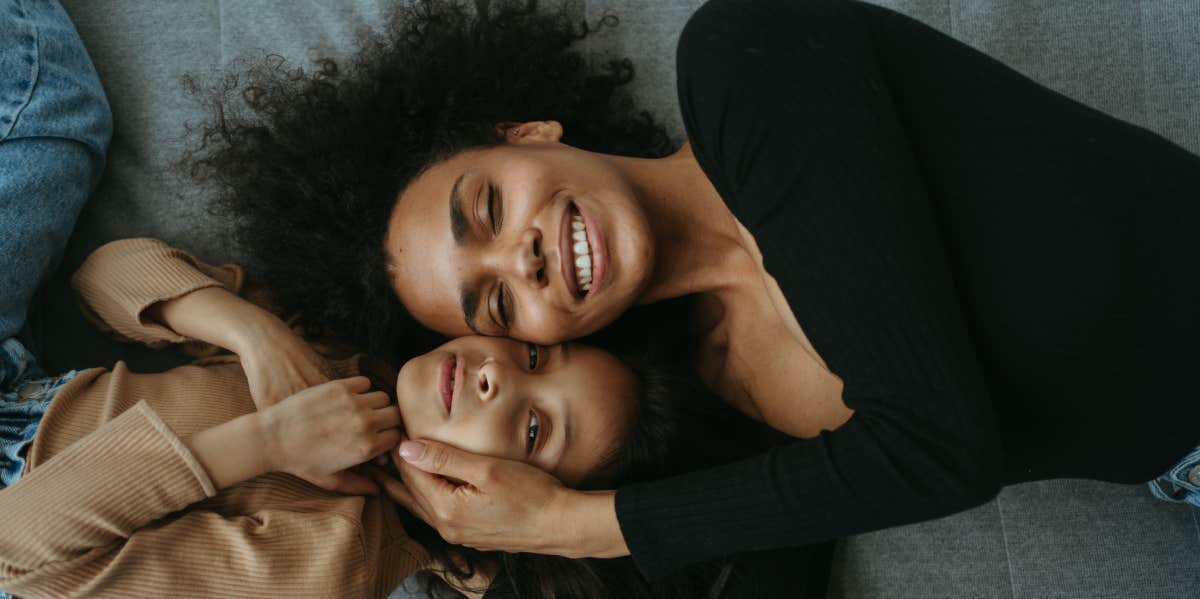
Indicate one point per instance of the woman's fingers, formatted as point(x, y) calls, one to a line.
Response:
point(396, 490)
point(438, 458)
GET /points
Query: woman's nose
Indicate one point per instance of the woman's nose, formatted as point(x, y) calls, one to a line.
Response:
point(531, 260)
point(487, 381)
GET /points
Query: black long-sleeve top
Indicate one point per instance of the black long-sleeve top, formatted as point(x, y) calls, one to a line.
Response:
point(1001, 276)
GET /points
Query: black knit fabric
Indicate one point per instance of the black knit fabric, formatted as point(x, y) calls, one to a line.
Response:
point(1002, 277)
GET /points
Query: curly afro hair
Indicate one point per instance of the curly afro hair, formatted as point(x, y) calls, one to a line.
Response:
point(309, 162)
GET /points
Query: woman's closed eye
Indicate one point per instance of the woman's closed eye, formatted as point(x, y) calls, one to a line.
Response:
point(503, 307)
point(495, 209)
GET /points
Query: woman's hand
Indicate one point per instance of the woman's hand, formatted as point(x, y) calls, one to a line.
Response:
point(503, 505)
point(318, 433)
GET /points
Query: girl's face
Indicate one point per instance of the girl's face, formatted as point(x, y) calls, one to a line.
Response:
point(531, 239)
point(562, 408)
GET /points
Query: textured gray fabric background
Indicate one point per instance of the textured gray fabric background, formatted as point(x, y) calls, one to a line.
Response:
point(1137, 60)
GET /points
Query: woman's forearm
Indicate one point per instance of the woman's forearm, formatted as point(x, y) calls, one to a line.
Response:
point(590, 520)
point(231, 452)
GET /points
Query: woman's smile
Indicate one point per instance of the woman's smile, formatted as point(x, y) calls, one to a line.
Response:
point(582, 241)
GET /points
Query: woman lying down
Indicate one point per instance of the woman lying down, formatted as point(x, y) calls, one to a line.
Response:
point(191, 482)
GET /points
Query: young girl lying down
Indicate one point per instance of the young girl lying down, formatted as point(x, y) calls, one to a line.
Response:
point(195, 482)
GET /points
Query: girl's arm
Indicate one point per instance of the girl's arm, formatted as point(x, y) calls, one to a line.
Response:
point(146, 291)
point(109, 515)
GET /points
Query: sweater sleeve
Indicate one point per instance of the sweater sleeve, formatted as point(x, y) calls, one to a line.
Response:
point(791, 121)
point(86, 524)
point(121, 279)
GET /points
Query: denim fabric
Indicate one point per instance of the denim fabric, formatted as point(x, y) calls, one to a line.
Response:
point(1181, 484)
point(55, 126)
point(25, 393)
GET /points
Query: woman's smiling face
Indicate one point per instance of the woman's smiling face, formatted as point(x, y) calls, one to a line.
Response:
point(562, 408)
point(531, 239)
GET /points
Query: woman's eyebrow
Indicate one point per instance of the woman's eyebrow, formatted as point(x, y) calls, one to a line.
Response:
point(458, 222)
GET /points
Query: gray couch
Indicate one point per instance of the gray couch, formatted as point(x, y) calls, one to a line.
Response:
point(1137, 60)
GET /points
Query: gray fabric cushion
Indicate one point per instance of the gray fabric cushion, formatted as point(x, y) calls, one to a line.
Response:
point(1135, 60)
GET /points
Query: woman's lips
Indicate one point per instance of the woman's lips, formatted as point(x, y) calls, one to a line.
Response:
point(566, 257)
point(599, 251)
point(447, 381)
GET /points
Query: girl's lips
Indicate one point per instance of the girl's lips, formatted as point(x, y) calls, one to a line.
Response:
point(448, 381)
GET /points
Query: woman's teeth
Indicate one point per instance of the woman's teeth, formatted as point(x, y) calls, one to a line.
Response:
point(583, 253)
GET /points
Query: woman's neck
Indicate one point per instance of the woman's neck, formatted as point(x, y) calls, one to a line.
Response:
point(693, 230)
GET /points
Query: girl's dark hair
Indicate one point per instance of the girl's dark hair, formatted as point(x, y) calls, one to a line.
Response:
point(678, 426)
point(309, 163)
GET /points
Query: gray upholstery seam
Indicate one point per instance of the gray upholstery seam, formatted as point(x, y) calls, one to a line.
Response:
point(1012, 584)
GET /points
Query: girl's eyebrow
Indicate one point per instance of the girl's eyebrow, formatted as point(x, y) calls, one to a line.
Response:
point(566, 442)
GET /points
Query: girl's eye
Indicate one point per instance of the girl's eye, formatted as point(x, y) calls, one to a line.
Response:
point(531, 438)
point(534, 356)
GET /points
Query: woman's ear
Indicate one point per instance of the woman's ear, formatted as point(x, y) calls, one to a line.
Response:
point(530, 132)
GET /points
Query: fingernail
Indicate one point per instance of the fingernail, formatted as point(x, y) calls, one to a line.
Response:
point(412, 450)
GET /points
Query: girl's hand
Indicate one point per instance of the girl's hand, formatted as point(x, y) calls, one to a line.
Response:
point(277, 362)
point(503, 505)
point(318, 433)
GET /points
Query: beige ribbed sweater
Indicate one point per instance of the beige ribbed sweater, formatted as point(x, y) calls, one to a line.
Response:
point(113, 504)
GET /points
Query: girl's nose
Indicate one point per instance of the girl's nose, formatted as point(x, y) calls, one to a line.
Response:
point(487, 381)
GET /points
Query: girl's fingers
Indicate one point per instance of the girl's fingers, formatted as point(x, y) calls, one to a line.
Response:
point(386, 417)
point(375, 399)
point(385, 440)
point(357, 384)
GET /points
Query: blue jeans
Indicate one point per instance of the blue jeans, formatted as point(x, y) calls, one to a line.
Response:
point(55, 125)
point(1181, 483)
point(25, 393)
